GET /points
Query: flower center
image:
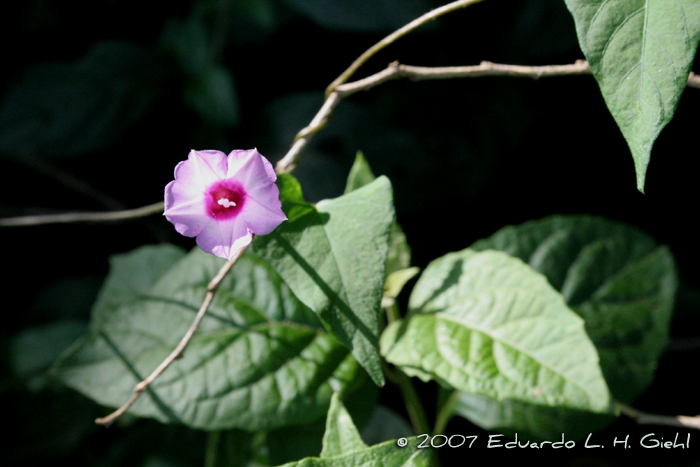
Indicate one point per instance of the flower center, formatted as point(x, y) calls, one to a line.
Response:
point(226, 203)
point(225, 199)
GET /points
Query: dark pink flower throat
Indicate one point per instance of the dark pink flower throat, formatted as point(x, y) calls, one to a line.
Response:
point(225, 199)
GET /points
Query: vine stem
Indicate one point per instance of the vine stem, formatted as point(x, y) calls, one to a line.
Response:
point(431, 15)
point(414, 407)
point(83, 216)
point(289, 162)
point(179, 350)
point(446, 401)
point(396, 70)
point(643, 418)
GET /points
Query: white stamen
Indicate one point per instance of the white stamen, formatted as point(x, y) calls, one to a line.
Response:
point(226, 203)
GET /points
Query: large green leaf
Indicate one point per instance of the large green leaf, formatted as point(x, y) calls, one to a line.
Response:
point(640, 52)
point(333, 257)
point(259, 359)
point(485, 323)
point(617, 279)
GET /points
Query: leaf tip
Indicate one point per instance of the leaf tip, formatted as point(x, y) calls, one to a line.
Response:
point(640, 167)
point(640, 181)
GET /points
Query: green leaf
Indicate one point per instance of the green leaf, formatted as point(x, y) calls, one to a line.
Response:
point(360, 174)
point(293, 443)
point(33, 350)
point(333, 258)
point(210, 89)
point(640, 52)
point(130, 277)
point(188, 42)
point(396, 281)
point(529, 421)
point(485, 323)
point(259, 359)
point(399, 252)
point(617, 279)
point(341, 436)
point(382, 455)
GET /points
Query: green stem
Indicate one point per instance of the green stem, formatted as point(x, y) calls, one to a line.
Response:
point(211, 450)
point(414, 407)
point(446, 401)
point(393, 313)
point(416, 412)
point(413, 404)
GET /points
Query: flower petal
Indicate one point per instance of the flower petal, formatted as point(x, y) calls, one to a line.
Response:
point(188, 214)
point(201, 169)
point(250, 168)
point(263, 210)
point(224, 239)
point(179, 193)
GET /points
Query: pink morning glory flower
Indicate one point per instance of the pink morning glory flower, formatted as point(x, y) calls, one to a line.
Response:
point(224, 200)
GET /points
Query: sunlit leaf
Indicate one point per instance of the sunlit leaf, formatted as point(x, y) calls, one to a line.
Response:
point(617, 279)
point(332, 256)
point(487, 324)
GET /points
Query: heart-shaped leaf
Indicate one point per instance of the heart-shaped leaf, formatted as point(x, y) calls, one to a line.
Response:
point(485, 323)
point(617, 279)
point(259, 359)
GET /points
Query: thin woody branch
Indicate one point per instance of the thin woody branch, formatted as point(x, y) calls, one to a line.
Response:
point(83, 216)
point(394, 71)
point(643, 418)
point(416, 73)
point(431, 15)
point(212, 287)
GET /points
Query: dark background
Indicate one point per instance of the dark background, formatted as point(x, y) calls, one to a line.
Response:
point(99, 100)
